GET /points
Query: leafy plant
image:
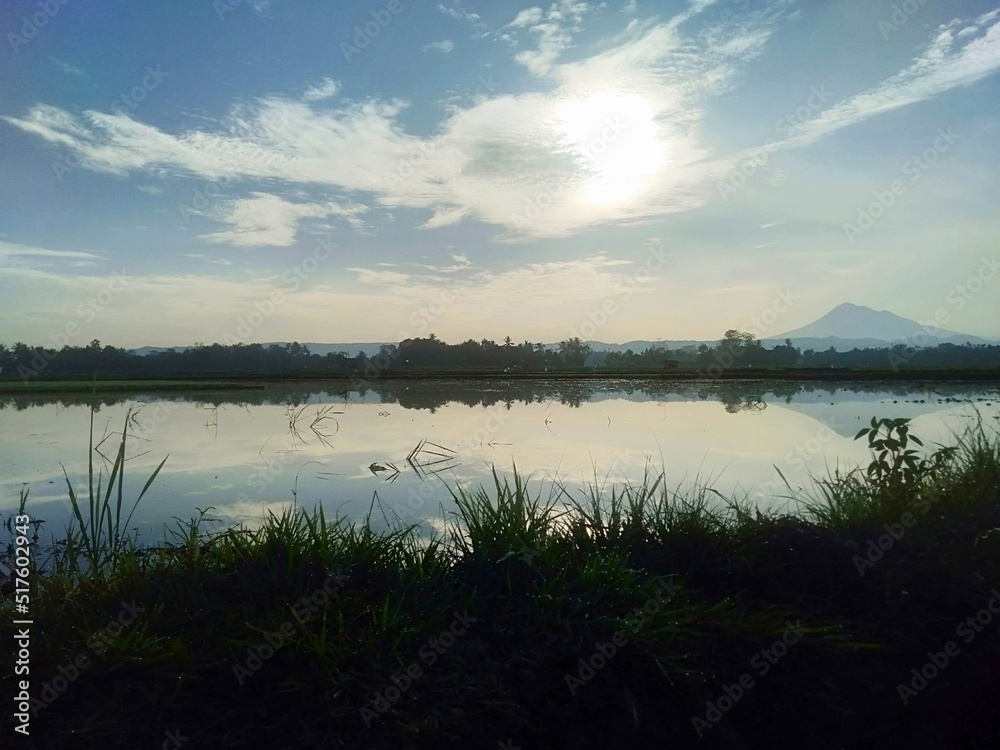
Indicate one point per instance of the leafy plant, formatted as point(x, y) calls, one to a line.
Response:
point(895, 465)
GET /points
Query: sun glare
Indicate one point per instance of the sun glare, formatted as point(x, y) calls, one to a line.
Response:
point(617, 140)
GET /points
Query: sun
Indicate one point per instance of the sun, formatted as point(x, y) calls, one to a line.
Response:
point(615, 137)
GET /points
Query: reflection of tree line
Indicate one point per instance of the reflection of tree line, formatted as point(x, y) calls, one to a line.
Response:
point(432, 395)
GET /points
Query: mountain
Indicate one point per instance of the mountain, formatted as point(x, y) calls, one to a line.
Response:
point(849, 321)
point(849, 326)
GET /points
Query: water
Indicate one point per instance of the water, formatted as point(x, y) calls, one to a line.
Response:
point(392, 447)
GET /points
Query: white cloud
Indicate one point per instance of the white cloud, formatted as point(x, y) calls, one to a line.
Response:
point(555, 284)
point(267, 220)
point(445, 46)
point(327, 88)
point(65, 67)
point(461, 14)
point(209, 259)
point(952, 59)
point(22, 255)
point(536, 164)
point(527, 17)
point(615, 137)
point(555, 30)
point(495, 159)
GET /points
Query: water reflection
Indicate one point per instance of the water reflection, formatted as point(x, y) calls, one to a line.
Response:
point(246, 452)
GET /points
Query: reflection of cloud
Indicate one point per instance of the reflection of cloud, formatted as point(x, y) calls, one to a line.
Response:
point(250, 513)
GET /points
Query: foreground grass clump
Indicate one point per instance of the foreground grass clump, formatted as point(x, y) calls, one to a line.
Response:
point(635, 617)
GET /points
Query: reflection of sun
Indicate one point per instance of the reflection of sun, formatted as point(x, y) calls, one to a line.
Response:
point(616, 137)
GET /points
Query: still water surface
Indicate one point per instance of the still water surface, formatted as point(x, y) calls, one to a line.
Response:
point(245, 453)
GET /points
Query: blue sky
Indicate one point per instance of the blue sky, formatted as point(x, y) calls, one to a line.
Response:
point(271, 170)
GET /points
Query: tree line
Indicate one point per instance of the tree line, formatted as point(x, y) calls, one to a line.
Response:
point(735, 350)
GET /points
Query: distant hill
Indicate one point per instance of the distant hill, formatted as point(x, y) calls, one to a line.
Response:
point(849, 326)
point(847, 321)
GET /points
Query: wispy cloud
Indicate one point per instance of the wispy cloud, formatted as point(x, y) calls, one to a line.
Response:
point(615, 138)
point(324, 90)
point(961, 53)
point(23, 254)
point(444, 46)
point(588, 152)
point(65, 67)
point(535, 285)
point(554, 28)
point(267, 220)
point(459, 13)
point(209, 259)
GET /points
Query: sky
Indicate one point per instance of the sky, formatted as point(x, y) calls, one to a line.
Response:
point(279, 170)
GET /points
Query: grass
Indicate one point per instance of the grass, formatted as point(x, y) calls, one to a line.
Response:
point(314, 632)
